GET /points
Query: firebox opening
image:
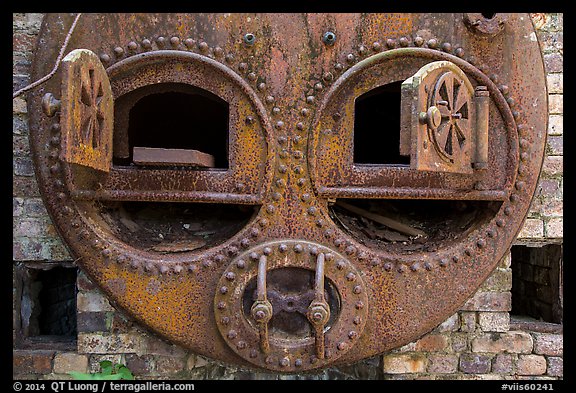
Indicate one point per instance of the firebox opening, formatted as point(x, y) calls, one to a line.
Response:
point(405, 225)
point(537, 282)
point(377, 126)
point(187, 118)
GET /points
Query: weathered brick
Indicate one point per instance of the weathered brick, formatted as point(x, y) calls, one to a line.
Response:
point(505, 262)
point(120, 323)
point(553, 62)
point(553, 166)
point(90, 322)
point(109, 344)
point(475, 364)
point(32, 361)
point(503, 363)
point(508, 342)
point(84, 283)
point(433, 343)
point(488, 301)
point(27, 22)
point(140, 365)
point(170, 364)
point(66, 362)
point(555, 366)
point(533, 228)
point(94, 361)
point(20, 146)
point(449, 325)
point(442, 364)
point(25, 187)
point(156, 346)
point(30, 227)
point(555, 83)
point(22, 166)
point(555, 145)
point(196, 361)
point(494, 321)
point(555, 227)
point(402, 363)
point(467, 321)
point(548, 344)
point(553, 208)
point(34, 207)
point(552, 40)
point(531, 365)
point(556, 119)
point(92, 302)
point(19, 126)
point(17, 206)
point(459, 342)
point(19, 105)
point(500, 280)
point(23, 42)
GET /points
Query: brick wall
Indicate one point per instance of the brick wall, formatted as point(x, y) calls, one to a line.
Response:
point(481, 341)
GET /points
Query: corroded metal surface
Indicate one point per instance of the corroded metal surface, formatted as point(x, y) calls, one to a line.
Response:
point(246, 289)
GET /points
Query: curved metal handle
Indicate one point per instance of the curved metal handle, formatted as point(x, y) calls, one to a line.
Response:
point(319, 310)
point(261, 310)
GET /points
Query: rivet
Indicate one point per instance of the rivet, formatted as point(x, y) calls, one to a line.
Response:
point(443, 262)
point(267, 251)
point(203, 46)
point(282, 168)
point(254, 256)
point(387, 266)
point(455, 259)
point(524, 156)
point(390, 43)
point(328, 232)
point(491, 233)
point(241, 345)
point(58, 183)
point(134, 264)
point(352, 334)
point(312, 210)
point(338, 242)
point(106, 252)
point(504, 89)
point(510, 101)
point(160, 41)
point(55, 168)
point(500, 222)
point(340, 265)
point(164, 269)
point(524, 143)
point(229, 58)
point(516, 115)
point(251, 76)
point(279, 125)
point(357, 289)
point(149, 267)
point(350, 250)
point(280, 183)
point(310, 99)
point(249, 39)
point(351, 276)
point(328, 77)
point(508, 210)
point(468, 252)
point(218, 52)
point(282, 247)
point(61, 196)
point(241, 264)
point(301, 182)
point(253, 353)
point(357, 320)
point(297, 139)
point(338, 67)
point(414, 267)
point(481, 243)
point(446, 47)
point(432, 43)
point(401, 269)
point(147, 44)
point(520, 185)
point(249, 120)
point(375, 262)
point(313, 359)
point(207, 263)
point(313, 250)
point(376, 46)
point(359, 305)
point(55, 128)
point(514, 198)
point(269, 99)
point(427, 266)
point(270, 209)
point(230, 276)
point(276, 196)
point(118, 51)
point(284, 362)
point(219, 258)
point(350, 58)
point(262, 86)
point(225, 320)
point(232, 334)
point(239, 186)
point(55, 140)
point(245, 243)
point(174, 41)
point(105, 58)
point(418, 41)
point(242, 67)
point(298, 362)
point(224, 290)
point(459, 52)
point(342, 346)
point(298, 248)
point(300, 126)
point(54, 154)
point(318, 86)
point(263, 222)
point(304, 112)
point(297, 154)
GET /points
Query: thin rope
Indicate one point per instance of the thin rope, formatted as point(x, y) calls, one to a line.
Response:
point(58, 61)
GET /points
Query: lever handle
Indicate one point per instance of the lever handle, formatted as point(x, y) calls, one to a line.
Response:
point(261, 310)
point(319, 310)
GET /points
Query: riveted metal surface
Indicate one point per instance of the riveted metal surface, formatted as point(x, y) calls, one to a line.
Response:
point(291, 95)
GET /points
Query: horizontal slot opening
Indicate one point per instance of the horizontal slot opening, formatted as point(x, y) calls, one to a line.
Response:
point(407, 225)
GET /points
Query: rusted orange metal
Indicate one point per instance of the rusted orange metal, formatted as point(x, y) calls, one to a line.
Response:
point(270, 260)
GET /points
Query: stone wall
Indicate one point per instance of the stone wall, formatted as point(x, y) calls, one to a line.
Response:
point(481, 341)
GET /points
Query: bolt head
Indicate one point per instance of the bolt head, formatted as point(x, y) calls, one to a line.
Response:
point(329, 38)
